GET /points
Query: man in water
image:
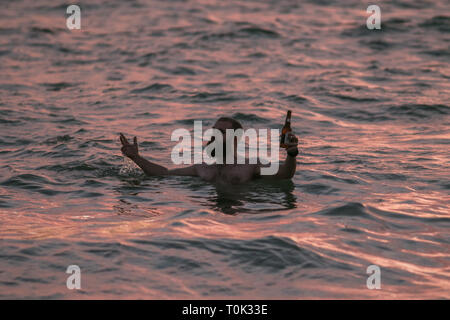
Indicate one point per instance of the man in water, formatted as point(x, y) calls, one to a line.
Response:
point(228, 173)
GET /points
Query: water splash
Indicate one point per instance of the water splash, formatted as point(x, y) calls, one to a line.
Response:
point(129, 168)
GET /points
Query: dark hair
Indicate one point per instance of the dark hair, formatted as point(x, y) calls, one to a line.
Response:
point(234, 123)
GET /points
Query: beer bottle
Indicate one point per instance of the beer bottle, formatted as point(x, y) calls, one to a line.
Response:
point(284, 138)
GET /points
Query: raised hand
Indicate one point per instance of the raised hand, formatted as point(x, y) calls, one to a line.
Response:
point(128, 149)
point(292, 148)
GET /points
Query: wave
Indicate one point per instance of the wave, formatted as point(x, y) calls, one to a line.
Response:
point(440, 23)
point(155, 87)
point(419, 111)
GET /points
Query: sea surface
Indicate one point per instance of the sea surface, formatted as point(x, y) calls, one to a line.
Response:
point(371, 109)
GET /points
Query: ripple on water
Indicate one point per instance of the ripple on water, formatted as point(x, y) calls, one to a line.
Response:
point(273, 255)
point(439, 23)
point(419, 111)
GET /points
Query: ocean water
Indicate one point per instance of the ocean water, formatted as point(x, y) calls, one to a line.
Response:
point(370, 107)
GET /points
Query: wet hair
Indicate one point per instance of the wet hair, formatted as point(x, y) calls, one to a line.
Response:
point(234, 123)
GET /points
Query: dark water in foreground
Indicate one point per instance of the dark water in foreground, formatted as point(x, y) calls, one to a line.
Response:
point(371, 109)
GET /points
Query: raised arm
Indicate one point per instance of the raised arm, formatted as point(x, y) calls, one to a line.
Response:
point(150, 168)
point(287, 169)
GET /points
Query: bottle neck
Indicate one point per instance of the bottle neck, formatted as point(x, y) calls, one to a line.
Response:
point(288, 119)
point(287, 123)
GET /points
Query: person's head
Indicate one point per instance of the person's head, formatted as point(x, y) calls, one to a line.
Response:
point(227, 123)
point(222, 124)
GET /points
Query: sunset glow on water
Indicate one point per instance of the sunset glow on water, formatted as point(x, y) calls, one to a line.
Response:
point(370, 108)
